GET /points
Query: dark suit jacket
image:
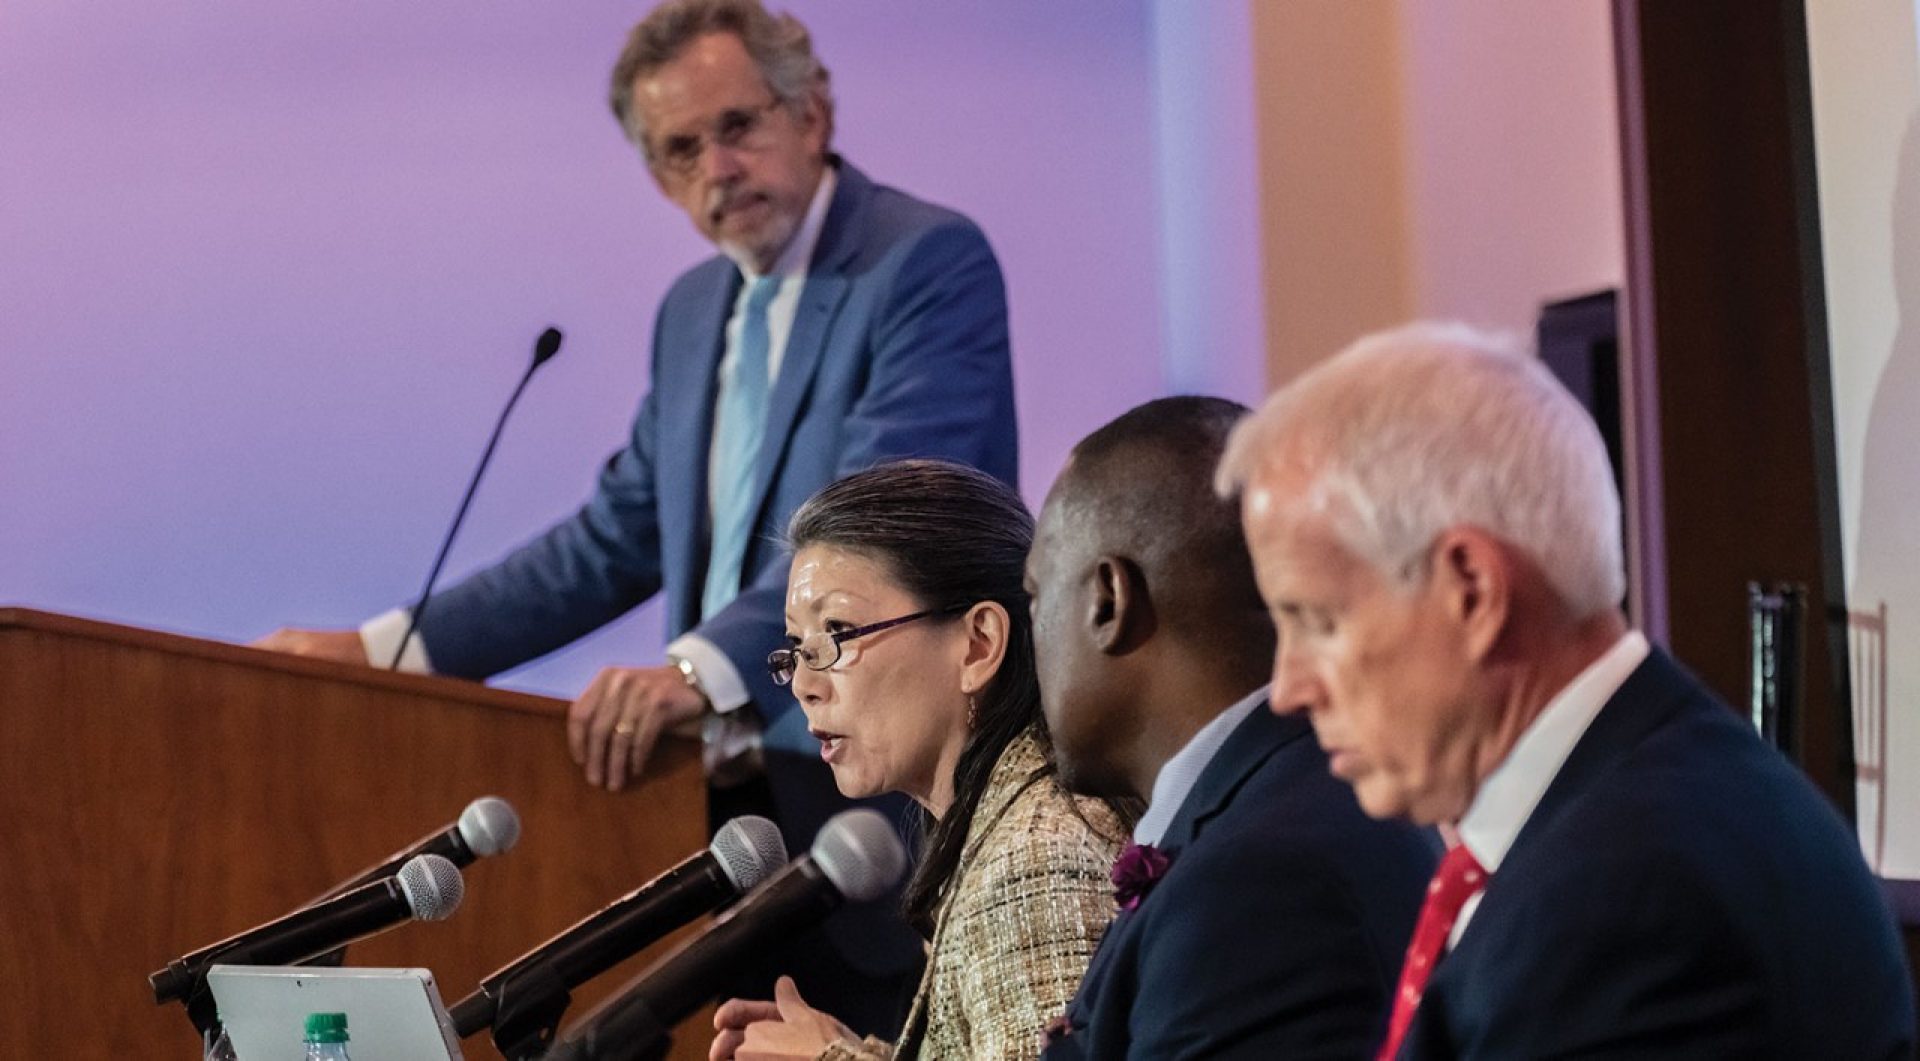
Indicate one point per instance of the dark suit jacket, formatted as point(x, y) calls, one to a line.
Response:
point(1681, 891)
point(1279, 926)
point(898, 349)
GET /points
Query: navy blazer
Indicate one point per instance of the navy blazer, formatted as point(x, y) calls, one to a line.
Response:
point(898, 349)
point(1681, 891)
point(1279, 927)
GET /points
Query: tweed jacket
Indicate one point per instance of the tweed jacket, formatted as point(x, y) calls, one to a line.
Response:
point(1017, 925)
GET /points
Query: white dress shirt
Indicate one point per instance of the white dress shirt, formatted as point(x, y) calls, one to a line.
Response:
point(1175, 781)
point(1510, 794)
point(718, 677)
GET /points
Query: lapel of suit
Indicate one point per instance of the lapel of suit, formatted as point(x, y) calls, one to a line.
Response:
point(1251, 744)
point(1647, 699)
point(690, 370)
point(820, 299)
point(1255, 740)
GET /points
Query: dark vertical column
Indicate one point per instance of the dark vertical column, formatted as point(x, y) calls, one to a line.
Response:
point(1723, 296)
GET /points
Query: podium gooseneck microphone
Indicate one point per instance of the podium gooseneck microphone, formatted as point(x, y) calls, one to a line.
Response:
point(856, 858)
point(543, 350)
point(524, 1000)
point(427, 888)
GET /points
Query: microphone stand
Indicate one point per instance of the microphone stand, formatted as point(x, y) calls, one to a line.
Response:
point(530, 1003)
point(543, 350)
point(640, 1036)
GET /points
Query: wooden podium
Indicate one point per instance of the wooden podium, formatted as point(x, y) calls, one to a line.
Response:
point(161, 792)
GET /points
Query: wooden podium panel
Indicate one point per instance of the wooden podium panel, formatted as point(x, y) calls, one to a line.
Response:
point(158, 793)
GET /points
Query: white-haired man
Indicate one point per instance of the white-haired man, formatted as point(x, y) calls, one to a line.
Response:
point(1436, 532)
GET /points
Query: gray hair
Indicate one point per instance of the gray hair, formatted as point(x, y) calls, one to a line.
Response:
point(1412, 431)
point(779, 44)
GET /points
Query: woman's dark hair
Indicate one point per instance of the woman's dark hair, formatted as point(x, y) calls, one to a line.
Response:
point(951, 537)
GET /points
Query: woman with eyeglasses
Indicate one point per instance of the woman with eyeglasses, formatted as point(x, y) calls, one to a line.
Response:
point(911, 653)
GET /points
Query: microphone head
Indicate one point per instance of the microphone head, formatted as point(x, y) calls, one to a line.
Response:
point(432, 886)
point(489, 826)
point(748, 849)
point(546, 346)
point(860, 854)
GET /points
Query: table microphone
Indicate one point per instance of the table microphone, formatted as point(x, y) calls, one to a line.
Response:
point(489, 826)
point(857, 857)
point(543, 350)
point(427, 888)
point(524, 1000)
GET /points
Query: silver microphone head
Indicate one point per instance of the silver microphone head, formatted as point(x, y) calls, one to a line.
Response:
point(432, 885)
point(748, 849)
point(489, 826)
point(860, 854)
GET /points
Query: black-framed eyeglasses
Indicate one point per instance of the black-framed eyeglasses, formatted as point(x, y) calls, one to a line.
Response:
point(737, 128)
point(822, 650)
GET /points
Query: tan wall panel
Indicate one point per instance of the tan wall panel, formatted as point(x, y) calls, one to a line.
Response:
point(1333, 188)
point(1433, 158)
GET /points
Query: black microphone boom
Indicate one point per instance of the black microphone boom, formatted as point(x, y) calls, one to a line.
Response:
point(856, 857)
point(427, 888)
point(488, 826)
point(524, 1000)
point(543, 350)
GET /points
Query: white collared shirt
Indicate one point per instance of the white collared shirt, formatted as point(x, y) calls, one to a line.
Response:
point(1177, 776)
point(1509, 795)
point(718, 677)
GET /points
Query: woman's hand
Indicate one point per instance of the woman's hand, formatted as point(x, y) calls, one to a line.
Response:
point(774, 1031)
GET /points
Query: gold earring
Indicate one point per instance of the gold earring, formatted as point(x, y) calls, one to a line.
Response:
point(973, 713)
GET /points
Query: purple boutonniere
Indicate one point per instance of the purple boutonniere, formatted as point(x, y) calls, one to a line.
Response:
point(1135, 872)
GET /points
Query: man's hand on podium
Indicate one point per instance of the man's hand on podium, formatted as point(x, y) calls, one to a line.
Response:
point(611, 729)
point(614, 725)
point(342, 646)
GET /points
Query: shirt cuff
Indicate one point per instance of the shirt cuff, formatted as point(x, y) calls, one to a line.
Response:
point(380, 636)
point(719, 678)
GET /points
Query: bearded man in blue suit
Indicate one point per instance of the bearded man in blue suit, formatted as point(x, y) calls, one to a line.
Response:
point(843, 324)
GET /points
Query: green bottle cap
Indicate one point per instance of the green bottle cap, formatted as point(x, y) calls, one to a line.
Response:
point(326, 1027)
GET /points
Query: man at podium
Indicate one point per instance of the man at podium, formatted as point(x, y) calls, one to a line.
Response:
point(842, 323)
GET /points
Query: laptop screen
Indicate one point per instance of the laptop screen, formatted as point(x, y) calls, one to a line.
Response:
point(391, 1013)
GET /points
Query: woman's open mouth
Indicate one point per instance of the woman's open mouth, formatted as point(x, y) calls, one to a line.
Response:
point(830, 743)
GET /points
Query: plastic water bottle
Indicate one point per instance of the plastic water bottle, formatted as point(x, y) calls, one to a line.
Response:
point(326, 1037)
point(216, 1046)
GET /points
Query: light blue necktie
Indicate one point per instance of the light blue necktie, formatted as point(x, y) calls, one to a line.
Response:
point(738, 426)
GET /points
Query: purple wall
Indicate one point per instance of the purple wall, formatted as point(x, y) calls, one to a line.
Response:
point(267, 272)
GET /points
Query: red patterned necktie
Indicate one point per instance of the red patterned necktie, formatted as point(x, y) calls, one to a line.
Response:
point(1459, 878)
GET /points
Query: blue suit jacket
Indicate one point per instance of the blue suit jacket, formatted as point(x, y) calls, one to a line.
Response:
point(898, 349)
point(1681, 891)
point(1279, 927)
